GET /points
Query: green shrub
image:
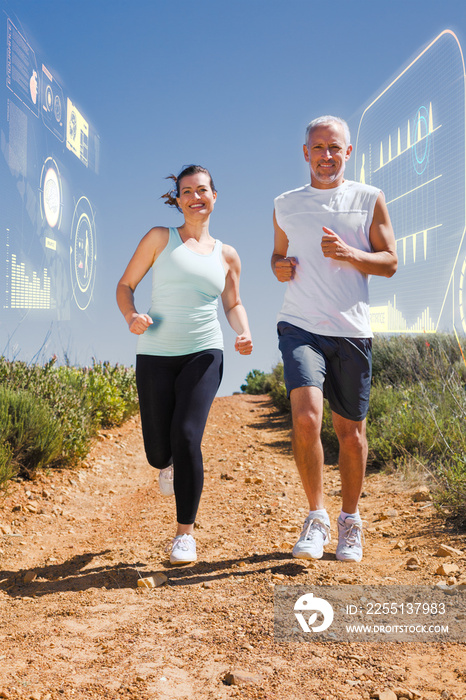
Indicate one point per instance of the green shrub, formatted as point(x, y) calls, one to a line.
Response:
point(111, 393)
point(30, 431)
point(328, 435)
point(81, 401)
point(451, 489)
point(257, 382)
point(278, 390)
point(7, 468)
point(404, 359)
point(62, 389)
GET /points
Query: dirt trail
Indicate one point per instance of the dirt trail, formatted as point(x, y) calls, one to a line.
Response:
point(74, 623)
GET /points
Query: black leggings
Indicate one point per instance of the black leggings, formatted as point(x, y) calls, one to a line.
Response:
point(175, 396)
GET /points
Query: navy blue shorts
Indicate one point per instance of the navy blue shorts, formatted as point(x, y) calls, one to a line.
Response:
point(340, 367)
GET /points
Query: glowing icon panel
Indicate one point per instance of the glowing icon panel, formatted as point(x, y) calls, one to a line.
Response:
point(83, 253)
point(411, 143)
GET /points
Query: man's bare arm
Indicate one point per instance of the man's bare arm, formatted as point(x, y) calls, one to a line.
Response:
point(283, 267)
point(382, 260)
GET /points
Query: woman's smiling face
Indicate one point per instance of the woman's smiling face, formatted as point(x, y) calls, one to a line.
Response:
point(196, 195)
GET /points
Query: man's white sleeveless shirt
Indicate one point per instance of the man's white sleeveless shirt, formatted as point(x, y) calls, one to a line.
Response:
point(327, 297)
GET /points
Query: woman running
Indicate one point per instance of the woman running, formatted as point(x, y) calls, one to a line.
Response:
point(179, 359)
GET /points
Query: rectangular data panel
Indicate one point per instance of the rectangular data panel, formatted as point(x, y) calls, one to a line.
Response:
point(49, 162)
point(411, 143)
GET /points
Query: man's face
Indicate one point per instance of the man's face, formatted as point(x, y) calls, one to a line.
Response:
point(327, 153)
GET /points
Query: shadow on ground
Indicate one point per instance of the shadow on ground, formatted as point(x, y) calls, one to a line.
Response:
point(78, 574)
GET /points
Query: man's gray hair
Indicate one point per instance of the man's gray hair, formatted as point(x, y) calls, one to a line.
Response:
point(324, 121)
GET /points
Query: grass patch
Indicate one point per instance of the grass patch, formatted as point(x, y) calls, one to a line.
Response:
point(49, 414)
point(29, 431)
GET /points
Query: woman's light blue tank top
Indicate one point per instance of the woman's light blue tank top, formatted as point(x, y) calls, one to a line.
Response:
point(185, 291)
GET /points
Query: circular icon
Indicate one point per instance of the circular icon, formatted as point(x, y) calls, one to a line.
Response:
point(50, 186)
point(57, 108)
point(421, 140)
point(49, 98)
point(462, 295)
point(83, 253)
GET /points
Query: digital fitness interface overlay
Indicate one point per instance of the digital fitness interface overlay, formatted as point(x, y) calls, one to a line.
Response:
point(411, 143)
point(49, 157)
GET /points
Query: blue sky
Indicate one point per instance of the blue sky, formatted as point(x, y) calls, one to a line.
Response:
point(228, 85)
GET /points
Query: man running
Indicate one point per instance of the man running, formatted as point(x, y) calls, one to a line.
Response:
point(330, 236)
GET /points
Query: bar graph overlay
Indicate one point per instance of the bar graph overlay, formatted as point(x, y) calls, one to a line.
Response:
point(28, 291)
point(384, 318)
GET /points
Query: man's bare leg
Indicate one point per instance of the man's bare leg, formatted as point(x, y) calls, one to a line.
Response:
point(352, 459)
point(307, 407)
point(352, 463)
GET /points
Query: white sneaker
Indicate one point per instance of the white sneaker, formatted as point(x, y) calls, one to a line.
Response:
point(183, 550)
point(350, 536)
point(313, 538)
point(166, 481)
